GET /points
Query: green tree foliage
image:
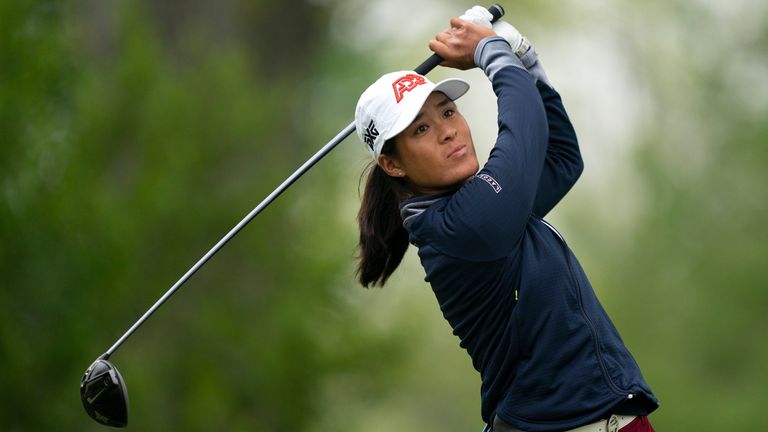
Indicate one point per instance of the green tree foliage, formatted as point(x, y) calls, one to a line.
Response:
point(134, 135)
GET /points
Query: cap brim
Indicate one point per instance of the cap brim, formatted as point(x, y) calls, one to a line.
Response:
point(454, 88)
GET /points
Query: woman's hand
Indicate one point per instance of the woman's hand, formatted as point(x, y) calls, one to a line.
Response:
point(457, 45)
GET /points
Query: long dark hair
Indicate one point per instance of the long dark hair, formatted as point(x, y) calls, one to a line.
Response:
point(383, 240)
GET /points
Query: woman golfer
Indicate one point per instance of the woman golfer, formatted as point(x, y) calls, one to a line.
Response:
point(549, 357)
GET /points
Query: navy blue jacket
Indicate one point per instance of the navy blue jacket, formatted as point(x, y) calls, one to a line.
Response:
point(506, 281)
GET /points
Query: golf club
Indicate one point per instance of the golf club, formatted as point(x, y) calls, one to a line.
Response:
point(102, 389)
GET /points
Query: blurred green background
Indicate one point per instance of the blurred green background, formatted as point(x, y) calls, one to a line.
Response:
point(134, 134)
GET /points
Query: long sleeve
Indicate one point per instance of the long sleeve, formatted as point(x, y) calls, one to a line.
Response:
point(563, 163)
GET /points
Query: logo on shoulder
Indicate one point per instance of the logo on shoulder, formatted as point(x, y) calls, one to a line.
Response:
point(405, 84)
point(491, 181)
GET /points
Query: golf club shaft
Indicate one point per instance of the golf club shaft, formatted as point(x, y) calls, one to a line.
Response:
point(271, 197)
point(424, 68)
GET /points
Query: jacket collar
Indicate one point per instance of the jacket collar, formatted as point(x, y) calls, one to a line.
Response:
point(412, 208)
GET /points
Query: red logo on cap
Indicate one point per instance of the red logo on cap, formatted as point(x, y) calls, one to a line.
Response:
point(406, 84)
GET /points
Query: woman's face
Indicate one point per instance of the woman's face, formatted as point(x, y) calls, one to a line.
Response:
point(435, 153)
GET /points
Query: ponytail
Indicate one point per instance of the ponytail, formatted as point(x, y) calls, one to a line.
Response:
point(383, 239)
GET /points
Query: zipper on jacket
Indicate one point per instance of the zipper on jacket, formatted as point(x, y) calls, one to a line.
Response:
point(591, 326)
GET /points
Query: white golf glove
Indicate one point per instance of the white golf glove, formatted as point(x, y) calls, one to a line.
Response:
point(519, 43)
point(480, 15)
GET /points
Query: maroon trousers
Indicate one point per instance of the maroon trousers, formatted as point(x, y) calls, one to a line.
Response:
point(640, 424)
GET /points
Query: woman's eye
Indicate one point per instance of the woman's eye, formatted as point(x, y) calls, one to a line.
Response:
point(421, 129)
point(449, 113)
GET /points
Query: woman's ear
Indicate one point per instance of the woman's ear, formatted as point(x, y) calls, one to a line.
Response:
point(391, 166)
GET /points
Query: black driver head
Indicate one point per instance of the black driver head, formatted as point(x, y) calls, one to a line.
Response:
point(104, 395)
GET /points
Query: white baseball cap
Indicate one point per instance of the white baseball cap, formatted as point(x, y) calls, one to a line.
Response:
point(389, 105)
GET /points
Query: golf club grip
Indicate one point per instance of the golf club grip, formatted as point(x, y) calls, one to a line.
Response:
point(434, 60)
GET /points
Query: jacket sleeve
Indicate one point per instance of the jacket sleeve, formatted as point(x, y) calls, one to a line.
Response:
point(563, 163)
point(487, 216)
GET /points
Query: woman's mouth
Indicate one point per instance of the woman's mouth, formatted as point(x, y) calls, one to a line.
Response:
point(458, 152)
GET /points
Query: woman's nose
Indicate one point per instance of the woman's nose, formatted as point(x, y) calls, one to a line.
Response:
point(449, 133)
